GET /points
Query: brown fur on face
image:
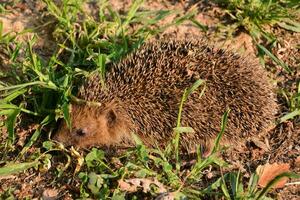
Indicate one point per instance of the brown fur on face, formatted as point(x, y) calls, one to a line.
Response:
point(91, 126)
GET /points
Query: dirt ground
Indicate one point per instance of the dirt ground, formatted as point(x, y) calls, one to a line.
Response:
point(282, 144)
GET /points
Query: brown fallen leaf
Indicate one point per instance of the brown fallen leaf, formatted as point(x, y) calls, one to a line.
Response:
point(297, 162)
point(50, 194)
point(268, 172)
point(134, 184)
point(128, 187)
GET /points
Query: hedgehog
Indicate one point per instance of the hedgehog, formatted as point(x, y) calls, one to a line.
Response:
point(143, 91)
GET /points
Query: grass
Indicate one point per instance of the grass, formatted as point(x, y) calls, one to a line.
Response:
point(293, 101)
point(41, 90)
point(258, 18)
point(255, 16)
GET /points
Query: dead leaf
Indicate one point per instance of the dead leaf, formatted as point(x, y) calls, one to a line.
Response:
point(268, 172)
point(297, 162)
point(134, 184)
point(50, 194)
point(124, 186)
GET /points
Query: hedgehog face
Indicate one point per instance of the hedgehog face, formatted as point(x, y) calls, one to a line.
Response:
point(90, 127)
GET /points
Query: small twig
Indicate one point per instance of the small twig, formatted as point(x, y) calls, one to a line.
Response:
point(293, 183)
point(81, 102)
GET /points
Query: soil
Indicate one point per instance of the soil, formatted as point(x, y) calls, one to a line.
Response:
point(281, 145)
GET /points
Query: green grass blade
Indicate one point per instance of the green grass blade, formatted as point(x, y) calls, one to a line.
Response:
point(195, 86)
point(31, 141)
point(183, 99)
point(132, 11)
point(66, 112)
point(252, 186)
point(185, 95)
point(225, 190)
point(199, 25)
point(5, 112)
point(289, 116)
point(5, 106)
point(184, 130)
point(11, 96)
point(8, 106)
point(223, 126)
point(290, 25)
point(274, 58)
point(40, 83)
point(10, 124)
point(17, 168)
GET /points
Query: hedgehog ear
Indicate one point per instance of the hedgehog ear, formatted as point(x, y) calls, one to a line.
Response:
point(111, 118)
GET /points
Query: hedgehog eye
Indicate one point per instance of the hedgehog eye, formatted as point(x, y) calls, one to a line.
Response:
point(80, 132)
